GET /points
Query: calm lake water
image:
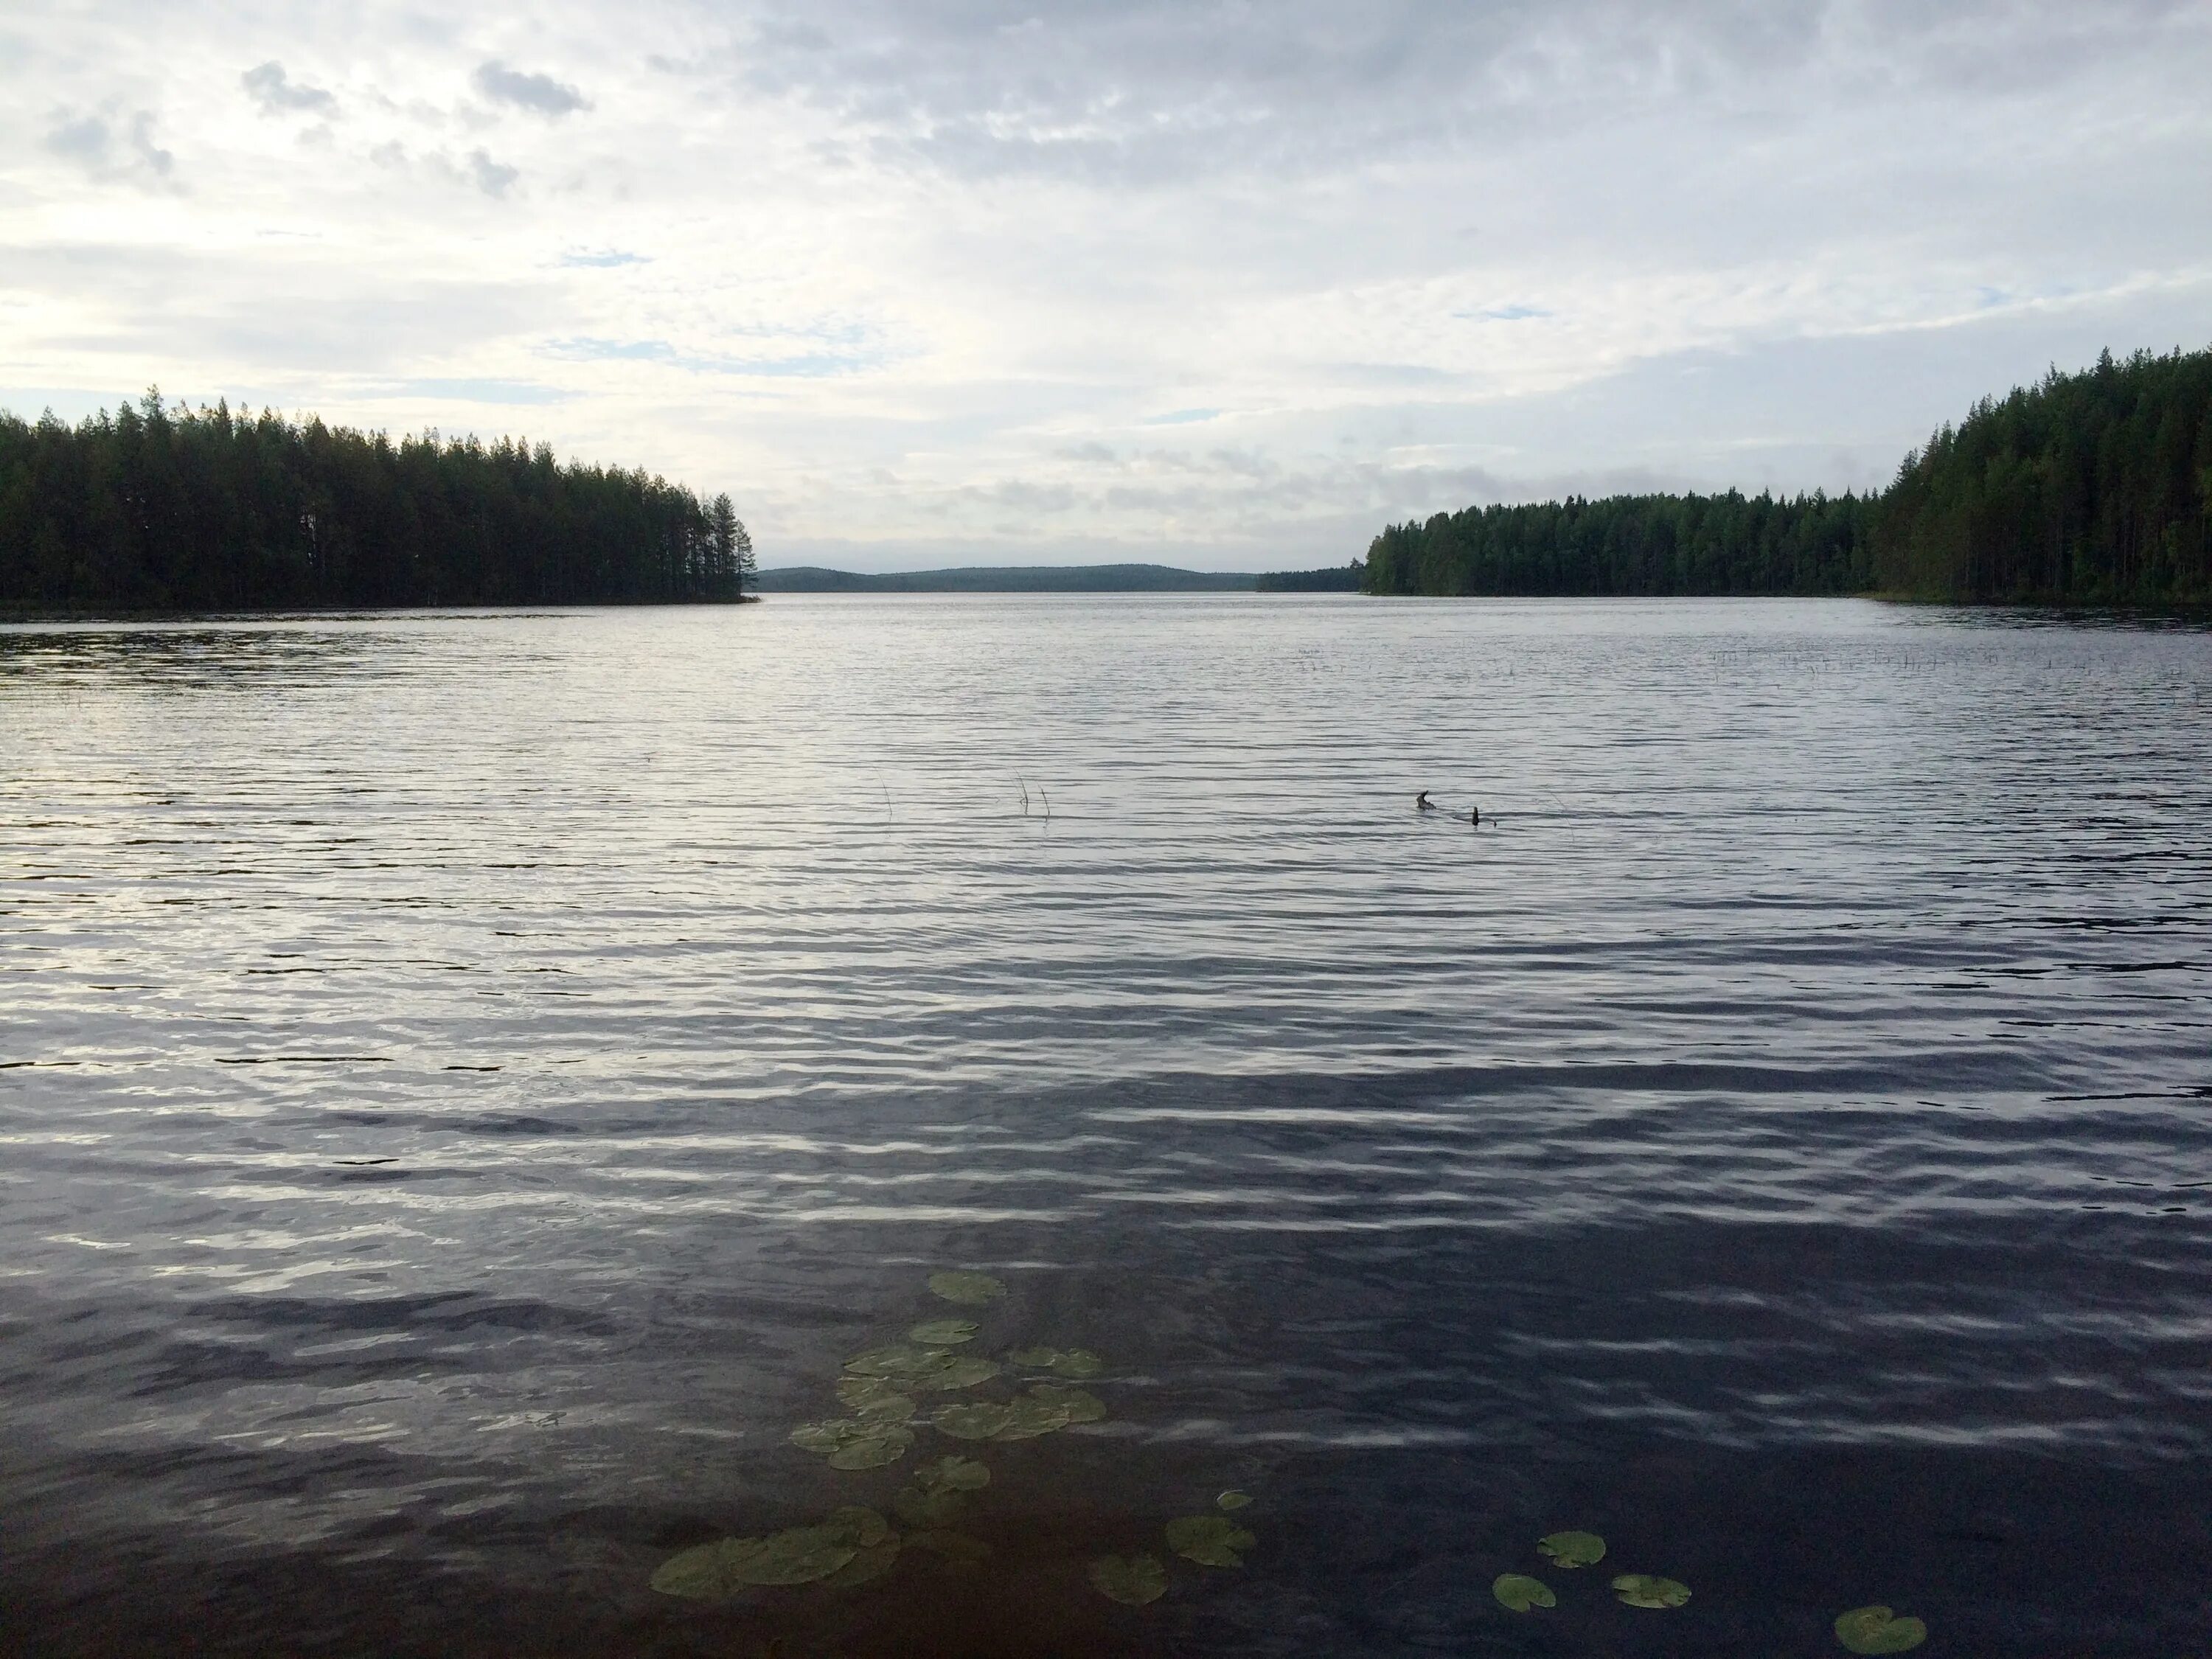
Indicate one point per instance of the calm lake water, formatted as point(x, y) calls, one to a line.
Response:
point(473, 1079)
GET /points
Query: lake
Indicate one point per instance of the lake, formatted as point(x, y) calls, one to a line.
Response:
point(473, 1080)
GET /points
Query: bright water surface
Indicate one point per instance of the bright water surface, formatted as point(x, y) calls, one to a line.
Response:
point(473, 1079)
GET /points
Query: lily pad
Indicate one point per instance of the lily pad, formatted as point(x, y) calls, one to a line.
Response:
point(799, 1555)
point(876, 1397)
point(944, 1333)
point(855, 1442)
point(866, 1565)
point(1572, 1549)
point(1233, 1500)
point(952, 1474)
point(1078, 1363)
point(862, 1527)
point(922, 1369)
point(1641, 1590)
point(1211, 1541)
point(979, 1419)
point(703, 1574)
point(1877, 1629)
point(1520, 1593)
point(1035, 1414)
point(956, 1548)
point(1133, 1579)
point(1080, 1405)
point(970, 1290)
point(929, 1507)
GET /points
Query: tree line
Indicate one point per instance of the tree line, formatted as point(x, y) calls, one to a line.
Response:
point(162, 509)
point(2086, 489)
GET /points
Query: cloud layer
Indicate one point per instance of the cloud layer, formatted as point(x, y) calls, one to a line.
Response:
point(919, 279)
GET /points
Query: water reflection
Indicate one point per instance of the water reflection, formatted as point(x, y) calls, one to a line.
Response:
point(473, 1083)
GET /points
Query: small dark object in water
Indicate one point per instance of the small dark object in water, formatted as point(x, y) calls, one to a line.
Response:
point(1424, 803)
point(1475, 817)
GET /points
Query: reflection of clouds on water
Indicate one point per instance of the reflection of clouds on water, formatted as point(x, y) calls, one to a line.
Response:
point(1791, 1156)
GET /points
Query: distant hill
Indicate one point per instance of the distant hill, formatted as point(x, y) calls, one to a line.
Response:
point(1009, 579)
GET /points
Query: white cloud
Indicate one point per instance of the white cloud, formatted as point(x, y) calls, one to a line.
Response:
point(277, 93)
point(540, 94)
point(915, 278)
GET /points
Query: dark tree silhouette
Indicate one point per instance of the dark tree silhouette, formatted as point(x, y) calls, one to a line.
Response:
point(2088, 489)
point(159, 509)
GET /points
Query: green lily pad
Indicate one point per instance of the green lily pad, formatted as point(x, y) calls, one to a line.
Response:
point(876, 1397)
point(1211, 1541)
point(1572, 1549)
point(703, 1574)
point(1133, 1579)
point(866, 1565)
point(1877, 1629)
point(1520, 1593)
point(956, 1548)
point(922, 1369)
point(863, 1528)
point(952, 1474)
point(799, 1555)
point(1076, 1363)
point(1641, 1589)
point(1233, 1500)
point(944, 1333)
point(970, 1290)
point(1035, 1414)
point(1080, 1405)
point(855, 1443)
point(929, 1508)
point(979, 1419)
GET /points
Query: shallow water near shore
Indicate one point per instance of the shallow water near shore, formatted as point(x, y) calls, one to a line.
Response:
point(472, 1081)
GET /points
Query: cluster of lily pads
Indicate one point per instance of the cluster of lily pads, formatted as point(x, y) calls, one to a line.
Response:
point(1210, 1540)
point(1863, 1630)
point(882, 1391)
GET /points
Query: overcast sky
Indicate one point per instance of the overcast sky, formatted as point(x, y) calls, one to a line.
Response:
point(1231, 285)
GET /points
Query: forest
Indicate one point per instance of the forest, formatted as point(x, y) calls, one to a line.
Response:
point(160, 509)
point(2086, 489)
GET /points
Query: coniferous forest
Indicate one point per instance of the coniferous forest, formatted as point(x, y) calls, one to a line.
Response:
point(155, 508)
point(2091, 488)
point(2087, 488)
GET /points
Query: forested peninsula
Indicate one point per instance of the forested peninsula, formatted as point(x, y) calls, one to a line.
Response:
point(2088, 489)
point(161, 509)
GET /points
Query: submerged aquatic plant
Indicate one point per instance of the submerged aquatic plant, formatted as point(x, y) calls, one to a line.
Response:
point(1133, 1579)
point(1233, 1499)
point(1211, 1541)
point(1641, 1590)
point(1520, 1593)
point(1877, 1629)
point(970, 1290)
point(1572, 1549)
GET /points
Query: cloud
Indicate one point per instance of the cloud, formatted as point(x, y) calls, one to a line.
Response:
point(987, 270)
point(90, 141)
point(539, 94)
point(267, 85)
point(492, 178)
